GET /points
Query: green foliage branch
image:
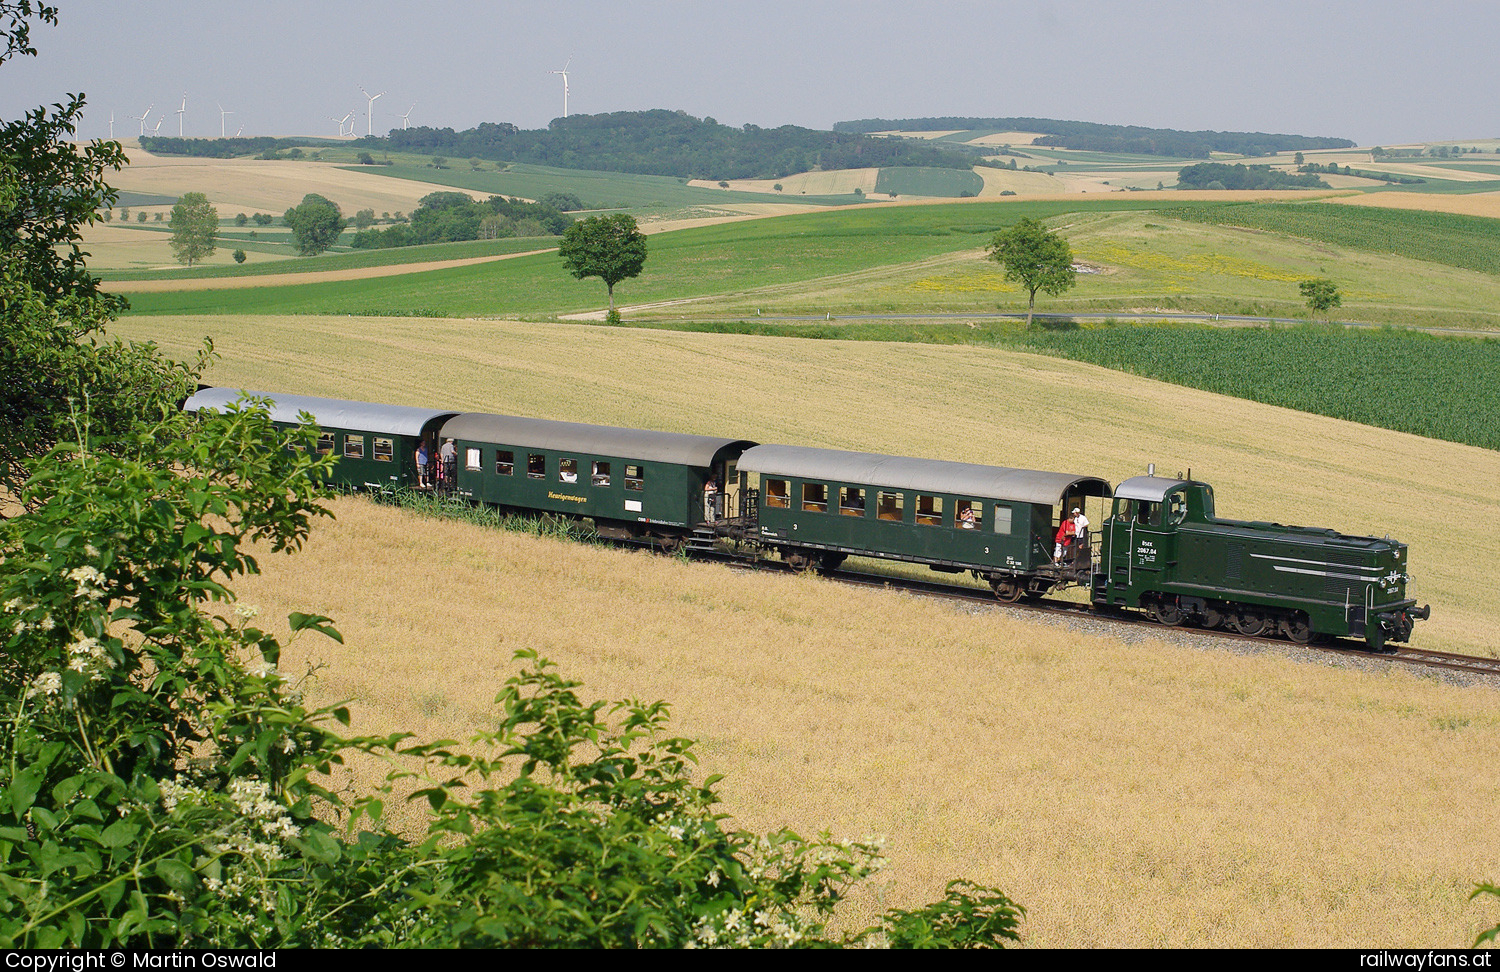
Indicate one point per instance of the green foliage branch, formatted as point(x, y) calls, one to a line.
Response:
point(161, 777)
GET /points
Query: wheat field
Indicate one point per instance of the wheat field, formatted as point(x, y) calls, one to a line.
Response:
point(1128, 793)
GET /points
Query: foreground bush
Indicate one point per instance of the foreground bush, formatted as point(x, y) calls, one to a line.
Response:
point(161, 777)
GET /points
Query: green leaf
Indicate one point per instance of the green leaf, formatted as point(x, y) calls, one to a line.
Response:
point(119, 833)
point(178, 875)
point(316, 622)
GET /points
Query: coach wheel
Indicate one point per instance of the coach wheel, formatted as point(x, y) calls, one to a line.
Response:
point(1298, 629)
point(1248, 624)
point(1008, 590)
point(670, 546)
point(1167, 613)
point(800, 562)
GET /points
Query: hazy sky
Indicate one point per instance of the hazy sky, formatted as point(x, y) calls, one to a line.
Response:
point(1378, 71)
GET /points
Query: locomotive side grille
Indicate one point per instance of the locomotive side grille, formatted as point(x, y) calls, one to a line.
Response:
point(1235, 559)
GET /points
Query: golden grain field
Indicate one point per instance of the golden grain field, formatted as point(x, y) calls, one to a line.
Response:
point(1127, 794)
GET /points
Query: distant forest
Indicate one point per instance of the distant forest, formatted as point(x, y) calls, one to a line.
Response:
point(1217, 175)
point(670, 143)
point(1093, 137)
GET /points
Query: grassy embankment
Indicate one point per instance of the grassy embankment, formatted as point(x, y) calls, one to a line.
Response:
point(1128, 794)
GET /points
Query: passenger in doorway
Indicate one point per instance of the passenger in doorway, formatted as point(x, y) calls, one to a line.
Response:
point(711, 500)
point(422, 457)
point(1064, 541)
point(449, 454)
point(1080, 534)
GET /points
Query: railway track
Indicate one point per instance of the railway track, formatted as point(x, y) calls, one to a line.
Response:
point(1049, 607)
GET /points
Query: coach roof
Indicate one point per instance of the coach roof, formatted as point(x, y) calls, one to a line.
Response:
point(329, 413)
point(929, 475)
point(594, 440)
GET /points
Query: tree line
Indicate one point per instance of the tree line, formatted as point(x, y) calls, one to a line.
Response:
point(671, 143)
point(447, 217)
point(1096, 137)
point(1217, 175)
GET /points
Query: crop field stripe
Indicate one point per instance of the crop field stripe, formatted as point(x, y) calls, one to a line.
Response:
point(1435, 386)
point(1468, 242)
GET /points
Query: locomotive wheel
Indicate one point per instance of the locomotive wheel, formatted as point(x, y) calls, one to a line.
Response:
point(1298, 630)
point(1212, 619)
point(1008, 590)
point(1248, 624)
point(1168, 614)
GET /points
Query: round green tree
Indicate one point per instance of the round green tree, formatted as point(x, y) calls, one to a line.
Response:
point(611, 248)
point(1322, 295)
point(316, 224)
point(194, 223)
point(1034, 258)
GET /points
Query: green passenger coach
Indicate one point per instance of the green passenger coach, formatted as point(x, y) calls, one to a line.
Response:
point(376, 445)
point(632, 483)
point(818, 506)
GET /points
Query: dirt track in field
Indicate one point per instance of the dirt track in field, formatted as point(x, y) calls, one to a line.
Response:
point(311, 276)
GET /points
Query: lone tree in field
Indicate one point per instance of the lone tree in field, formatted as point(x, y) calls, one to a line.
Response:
point(1322, 295)
point(195, 223)
point(1035, 259)
point(611, 248)
point(316, 224)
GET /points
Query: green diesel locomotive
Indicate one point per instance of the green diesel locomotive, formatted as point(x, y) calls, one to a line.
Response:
point(1164, 550)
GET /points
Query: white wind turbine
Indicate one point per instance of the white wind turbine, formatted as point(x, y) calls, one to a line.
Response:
point(180, 112)
point(406, 118)
point(222, 113)
point(370, 109)
point(142, 118)
point(157, 130)
point(564, 73)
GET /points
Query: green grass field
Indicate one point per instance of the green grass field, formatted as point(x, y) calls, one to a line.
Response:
point(730, 259)
point(929, 259)
point(334, 261)
point(1468, 242)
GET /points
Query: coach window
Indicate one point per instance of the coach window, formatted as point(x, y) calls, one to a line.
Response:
point(354, 447)
point(1002, 519)
point(536, 466)
point(635, 477)
point(930, 510)
point(968, 514)
point(325, 443)
point(567, 471)
point(851, 501)
point(505, 463)
point(384, 450)
point(890, 506)
point(601, 474)
point(471, 459)
point(779, 493)
point(815, 497)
